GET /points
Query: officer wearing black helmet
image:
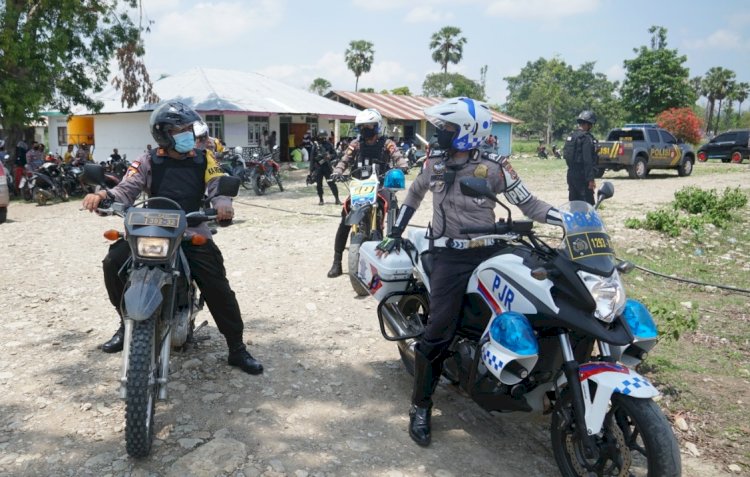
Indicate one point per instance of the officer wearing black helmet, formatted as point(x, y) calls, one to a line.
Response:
point(321, 167)
point(579, 153)
point(179, 171)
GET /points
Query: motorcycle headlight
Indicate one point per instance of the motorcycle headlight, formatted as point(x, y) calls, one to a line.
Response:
point(608, 293)
point(153, 247)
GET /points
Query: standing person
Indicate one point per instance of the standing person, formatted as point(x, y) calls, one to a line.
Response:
point(462, 124)
point(264, 139)
point(579, 153)
point(21, 149)
point(82, 155)
point(115, 156)
point(308, 145)
point(179, 171)
point(378, 150)
point(320, 166)
point(35, 157)
point(272, 140)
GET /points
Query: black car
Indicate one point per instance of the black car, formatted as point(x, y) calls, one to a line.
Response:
point(728, 146)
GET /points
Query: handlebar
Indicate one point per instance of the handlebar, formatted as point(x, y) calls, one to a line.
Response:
point(521, 227)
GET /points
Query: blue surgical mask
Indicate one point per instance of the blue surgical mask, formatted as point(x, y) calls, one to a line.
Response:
point(184, 142)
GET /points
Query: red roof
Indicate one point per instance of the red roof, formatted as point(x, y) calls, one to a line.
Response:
point(395, 106)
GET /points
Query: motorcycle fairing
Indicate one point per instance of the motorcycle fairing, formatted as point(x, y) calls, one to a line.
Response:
point(143, 294)
point(610, 378)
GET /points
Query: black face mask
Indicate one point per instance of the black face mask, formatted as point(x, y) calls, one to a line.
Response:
point(367, 133)
point(445, 138)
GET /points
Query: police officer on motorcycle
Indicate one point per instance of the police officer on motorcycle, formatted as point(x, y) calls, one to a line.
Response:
point(179, 171)
point(580, 154)
point(372, 146)
point(320, 166)
point(462, 124)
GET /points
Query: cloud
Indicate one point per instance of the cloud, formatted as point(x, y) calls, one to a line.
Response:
point(540, 9)
point(615, 72)
point(219, 23)
point(720, 39)
point(426, 14)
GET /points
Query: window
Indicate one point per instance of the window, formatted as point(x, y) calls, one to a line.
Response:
point(255, 127)
point(667, 137)
point(625, 135)
point(215, 125)
point(653, 135)
point(726, 137)
point(312, 125)
point(62, 135)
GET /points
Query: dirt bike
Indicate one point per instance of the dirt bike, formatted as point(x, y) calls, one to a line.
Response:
point(160, 301)
point(531, 319)
point(372, 211)
point(264, 172)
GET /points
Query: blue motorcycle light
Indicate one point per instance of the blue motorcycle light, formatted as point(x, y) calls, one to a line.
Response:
point(394, 179)
point(513, 331)
point(639, 319)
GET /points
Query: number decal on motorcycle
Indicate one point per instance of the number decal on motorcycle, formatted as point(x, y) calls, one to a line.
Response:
point(588, 244)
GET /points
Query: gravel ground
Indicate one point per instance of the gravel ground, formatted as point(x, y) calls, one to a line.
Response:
point(333, 399)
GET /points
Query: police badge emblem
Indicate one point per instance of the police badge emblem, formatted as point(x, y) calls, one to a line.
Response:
point(481, 171)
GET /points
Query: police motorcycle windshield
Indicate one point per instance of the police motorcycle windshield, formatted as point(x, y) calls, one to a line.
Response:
point(586, 241)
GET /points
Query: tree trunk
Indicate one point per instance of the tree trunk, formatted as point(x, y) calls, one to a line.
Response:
point(549, 124)
point(711, 103)
point(356, 85)
point(718, 118)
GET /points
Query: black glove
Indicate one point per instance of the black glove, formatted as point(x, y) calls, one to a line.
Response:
point(389, 244)
point(337, 177)
point(309, 179)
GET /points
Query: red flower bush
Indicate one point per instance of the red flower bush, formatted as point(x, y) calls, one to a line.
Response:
point(682, 123)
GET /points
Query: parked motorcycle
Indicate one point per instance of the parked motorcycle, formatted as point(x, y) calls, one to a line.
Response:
point(47, 184)
point(160, 301)
point(264, 171)
point(556, 152)
point(531, 319)
point(541, 151)
point(372, 212)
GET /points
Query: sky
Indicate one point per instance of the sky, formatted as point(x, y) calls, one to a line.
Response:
point(296, 41)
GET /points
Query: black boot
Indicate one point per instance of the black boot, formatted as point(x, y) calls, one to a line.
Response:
point(426, 376)
point(335, 270)
point(239, 357)
point(115, 343)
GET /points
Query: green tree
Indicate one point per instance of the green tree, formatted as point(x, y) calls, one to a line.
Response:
point(401, 91)
point(55, 54)
point(319, 86)
point(741, 93)
point(447, 46)
point(359, 57)
point(451, 85)
point(655, 80)
point(367, 90)
point(716, 84)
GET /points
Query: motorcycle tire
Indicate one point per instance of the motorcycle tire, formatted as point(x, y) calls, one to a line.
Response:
point(39, 197)
point(353, 263)
point(634, 428)
point(277, 176)
point(258, 187)
point(409, 305)
point(246, 180)
point(27, 195)
point(141, 389)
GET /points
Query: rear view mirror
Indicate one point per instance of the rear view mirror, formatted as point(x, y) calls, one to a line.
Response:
point(93, 174)
point(229, 186)
point(475, 187)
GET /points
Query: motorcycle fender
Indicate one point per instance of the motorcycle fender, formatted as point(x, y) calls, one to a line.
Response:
point(610, 378)
point(356, 215)
point(143, 294)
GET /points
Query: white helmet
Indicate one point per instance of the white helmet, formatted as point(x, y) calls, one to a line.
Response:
point(370, 116)
point(472, 118)
point(200, 129)
point(238, 150)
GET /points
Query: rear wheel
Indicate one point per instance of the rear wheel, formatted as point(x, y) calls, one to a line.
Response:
point(636, 440)
point(257, 181)
point(736, 157)
point(638, 170)
point(412, 306)
point(246, 179)
point(277, 176)
point(141, 389)
point(353, 263)
point(685, 168)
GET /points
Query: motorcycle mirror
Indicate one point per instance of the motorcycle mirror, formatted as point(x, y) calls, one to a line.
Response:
point(606, 191)
point(93, 174)
point(229, 186)
point(476, 187)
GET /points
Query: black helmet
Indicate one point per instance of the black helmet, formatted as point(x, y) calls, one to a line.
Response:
point(168, 117)
point(587, 117)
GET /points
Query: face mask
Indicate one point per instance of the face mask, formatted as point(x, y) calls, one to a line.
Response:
point(184, 142)
point(445, 138)
point(367, 133)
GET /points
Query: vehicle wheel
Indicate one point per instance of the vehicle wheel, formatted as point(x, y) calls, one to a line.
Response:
point(64, 194)
point(685, 168)
point(3, 214)
point(353, 263)
point(703, 157)
point(246, 180)
point(141, 389)
point(736, 157)
point(410, 305)
point(257, 185)
point(277, 176)
point(599, 172)
point(638, 170)
point(636, 440)
point(39, 197)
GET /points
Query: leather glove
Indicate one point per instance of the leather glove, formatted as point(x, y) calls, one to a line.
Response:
point(309, 179)
point(389, 244)
point(337, 177)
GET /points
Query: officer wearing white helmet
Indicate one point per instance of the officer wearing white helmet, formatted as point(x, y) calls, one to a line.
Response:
point(462, 124)
point(371, 146)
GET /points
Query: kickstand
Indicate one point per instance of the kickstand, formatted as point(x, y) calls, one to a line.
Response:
point(197, 339)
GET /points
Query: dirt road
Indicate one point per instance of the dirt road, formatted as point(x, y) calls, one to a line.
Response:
point(333, 399)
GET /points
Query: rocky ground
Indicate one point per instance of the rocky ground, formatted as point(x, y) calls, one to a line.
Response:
point(333, 399)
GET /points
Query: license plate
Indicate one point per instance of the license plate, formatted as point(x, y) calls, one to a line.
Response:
point(158, 219)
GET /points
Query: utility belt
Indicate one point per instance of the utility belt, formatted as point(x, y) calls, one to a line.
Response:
point(462, 244)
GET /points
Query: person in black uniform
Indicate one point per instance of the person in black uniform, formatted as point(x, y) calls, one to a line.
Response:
point(320, 166)
point(579, 152)
point(462, 124)
point(183, 173)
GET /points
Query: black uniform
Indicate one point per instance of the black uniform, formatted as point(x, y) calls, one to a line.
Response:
point(321, 168)
point(580, 155)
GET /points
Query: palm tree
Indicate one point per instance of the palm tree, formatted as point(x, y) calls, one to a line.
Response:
point(359, 57)
point(741, 92)
point(319, 86)
point(716, 84)
point(446, 47)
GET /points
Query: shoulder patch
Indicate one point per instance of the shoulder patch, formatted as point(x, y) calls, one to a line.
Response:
point(496, 158)
point(133, 168)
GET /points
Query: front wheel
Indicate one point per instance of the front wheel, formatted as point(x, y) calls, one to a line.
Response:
point(638, 170)
point(277, 177)
point(353, 263)
point(685, 168)
point(736, 157)
point(141, 389)
point(258, 187)
point(246, 179)
point(636, 440)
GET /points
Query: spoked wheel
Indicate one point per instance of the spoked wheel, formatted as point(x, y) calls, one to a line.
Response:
point(141, 389)
point(636, 440)
point(277, 176)
point(246, 180)
point(258, 187)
